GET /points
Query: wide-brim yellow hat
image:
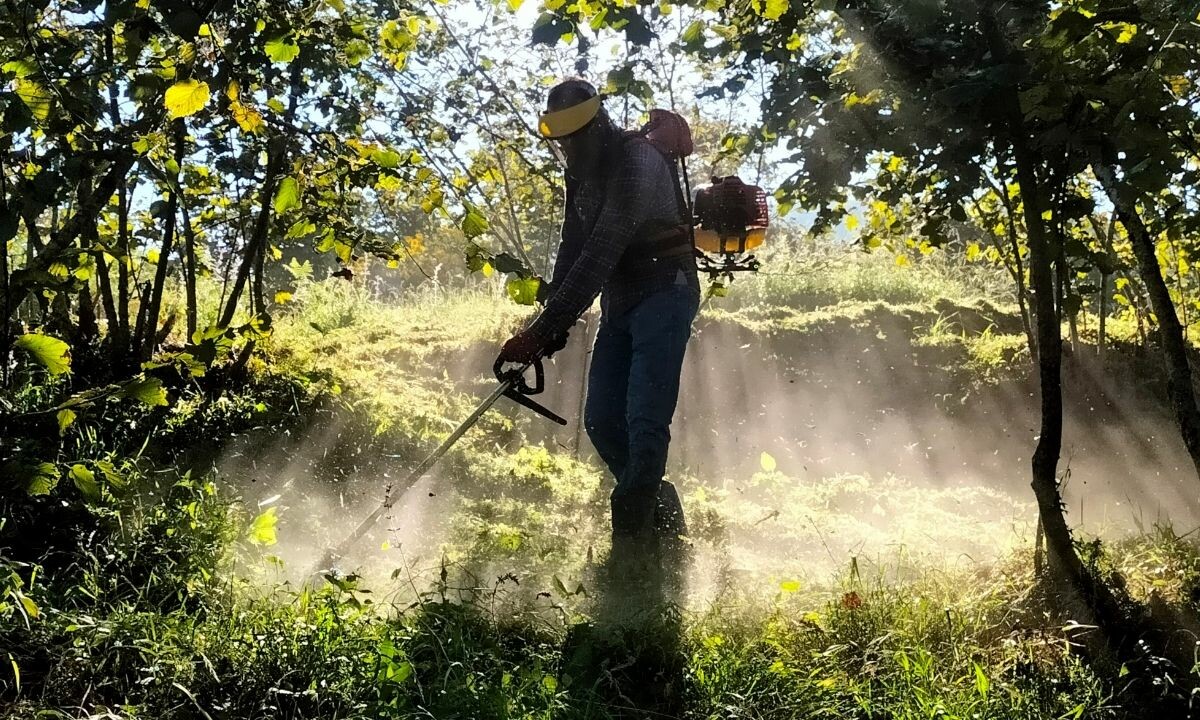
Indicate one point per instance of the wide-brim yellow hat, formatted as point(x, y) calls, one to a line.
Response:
point(561, 123)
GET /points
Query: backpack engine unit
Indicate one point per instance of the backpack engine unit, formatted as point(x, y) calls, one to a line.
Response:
point(727, 218)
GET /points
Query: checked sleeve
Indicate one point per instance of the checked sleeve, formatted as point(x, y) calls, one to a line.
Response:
point(627, 202)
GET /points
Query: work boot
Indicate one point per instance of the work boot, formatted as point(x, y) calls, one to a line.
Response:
point(633, 563)
point(673, 545)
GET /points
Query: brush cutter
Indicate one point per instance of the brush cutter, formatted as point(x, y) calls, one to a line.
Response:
point(513, 386)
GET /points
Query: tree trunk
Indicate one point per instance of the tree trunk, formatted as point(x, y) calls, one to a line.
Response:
point(148, 340)
point(121, 338)
point(150, 328)
point(103, 282)
point(1064, 563)
point(1170, 331)
point(1102, 333)
point(275, 162)
point(258, 299)
point(1063, 560)
point(1023, 303)
point(189, 267)
point(6, 216)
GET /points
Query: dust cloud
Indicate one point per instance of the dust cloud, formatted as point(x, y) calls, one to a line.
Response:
point(795, 453)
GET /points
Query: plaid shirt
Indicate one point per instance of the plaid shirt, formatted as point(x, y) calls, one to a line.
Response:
point(603, 218)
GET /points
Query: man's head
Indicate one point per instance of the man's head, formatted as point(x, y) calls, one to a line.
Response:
point(575, 120)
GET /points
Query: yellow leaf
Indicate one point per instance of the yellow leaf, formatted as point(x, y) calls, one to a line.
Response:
point(185, 98)
point(902, 261)
point(1127, 33)
point(31, 608)
point(263, 529)
point(790, 586)
point(65, 418)
point(36, 97)
point(767, 462)
point(234, 90)
point(1048, 215)
point(487, 270)
point(283, 297)
point(775, 9)
point(973, 252)
point(895, 163)
point(851, 222)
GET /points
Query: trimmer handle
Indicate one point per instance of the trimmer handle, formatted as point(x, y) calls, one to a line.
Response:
point(516, 375)
point(519, 388)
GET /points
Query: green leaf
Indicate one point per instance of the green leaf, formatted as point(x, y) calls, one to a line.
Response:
point(298, 270)
point(767, 462)
point(19, 68)
point(49, 352)
point(31, 608)
point(474, 223)
point(185, 98)
point(282, 51)
point(982, 684)
point(287, 196)
point(65, 419)
point(36, 478)
point(263, 529)
point(523, 291)
point(389, 159)
point(36, 97)
point(149, 391)
point(85, 480)
point(693, 32)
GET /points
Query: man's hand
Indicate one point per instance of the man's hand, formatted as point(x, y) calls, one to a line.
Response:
point(555, 345)
point(521, 348)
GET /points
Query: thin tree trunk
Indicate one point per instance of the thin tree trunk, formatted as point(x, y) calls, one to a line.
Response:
point(148, 340)
point(103, 281)
point(1170, 331)
point(121, 343)
point(189, 268)
point(5, 335)
point(1102, 333)
point(258, 296)
point(1023, 302)
point(143, 304)
point(275, 161)
point(1063, 560)
point(1064, 563)
point(33, 235)
point(88, 330)
point(149, 330)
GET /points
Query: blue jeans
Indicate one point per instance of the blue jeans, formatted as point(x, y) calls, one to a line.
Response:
point(633, 386)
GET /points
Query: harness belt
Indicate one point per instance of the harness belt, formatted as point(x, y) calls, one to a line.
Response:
point(641, 258)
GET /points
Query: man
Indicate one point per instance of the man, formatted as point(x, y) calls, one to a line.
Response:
point(622, 238)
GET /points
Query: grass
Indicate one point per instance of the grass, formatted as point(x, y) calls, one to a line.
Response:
point(815, 595)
